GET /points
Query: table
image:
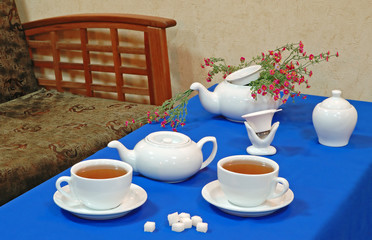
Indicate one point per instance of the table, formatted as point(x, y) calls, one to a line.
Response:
point(332, 187)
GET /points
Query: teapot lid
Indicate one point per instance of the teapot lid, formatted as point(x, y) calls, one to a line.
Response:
point(244, 75)
point(335, 102)
point(167, 139)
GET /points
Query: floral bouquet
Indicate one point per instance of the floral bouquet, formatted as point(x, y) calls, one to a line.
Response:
point(282, 71)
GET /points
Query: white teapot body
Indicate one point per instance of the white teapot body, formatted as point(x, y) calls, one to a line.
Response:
point(233, 101)
point(166, 156)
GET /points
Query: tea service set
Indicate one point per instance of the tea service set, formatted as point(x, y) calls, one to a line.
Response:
point(246, 185)
point(102, 189)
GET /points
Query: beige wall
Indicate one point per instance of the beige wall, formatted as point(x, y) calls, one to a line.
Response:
point(235, 28)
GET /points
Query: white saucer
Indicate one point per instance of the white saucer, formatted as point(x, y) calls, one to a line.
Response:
point(213, 194)
point(134, 199)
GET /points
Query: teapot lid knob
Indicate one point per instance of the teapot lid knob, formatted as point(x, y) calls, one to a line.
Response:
point(336, 93)
point(167, 140)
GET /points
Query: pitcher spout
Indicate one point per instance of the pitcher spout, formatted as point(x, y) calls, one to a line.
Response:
point(125, 154)
point(209, 100)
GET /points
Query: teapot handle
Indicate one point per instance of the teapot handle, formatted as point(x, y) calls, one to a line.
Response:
point(214, 150)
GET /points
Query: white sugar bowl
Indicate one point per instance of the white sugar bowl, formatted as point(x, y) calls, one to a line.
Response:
point(334, 120)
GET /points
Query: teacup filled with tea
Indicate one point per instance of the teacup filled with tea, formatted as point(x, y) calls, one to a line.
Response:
point(248, 180)
point(99, 184)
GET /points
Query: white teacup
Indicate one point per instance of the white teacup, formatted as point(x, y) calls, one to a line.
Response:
point(105, 186)
point(249, 189)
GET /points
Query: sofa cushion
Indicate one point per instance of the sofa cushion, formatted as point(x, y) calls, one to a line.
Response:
point(16, 73)
point(45, 132)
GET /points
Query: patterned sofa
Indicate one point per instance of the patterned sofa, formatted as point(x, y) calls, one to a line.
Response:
point(47, 125)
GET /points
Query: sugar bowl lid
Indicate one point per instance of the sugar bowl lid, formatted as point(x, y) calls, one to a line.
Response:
point(167, 139)
point(336, 102)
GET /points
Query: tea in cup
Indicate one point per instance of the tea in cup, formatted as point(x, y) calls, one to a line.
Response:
point(248, 180)
point(99, 184)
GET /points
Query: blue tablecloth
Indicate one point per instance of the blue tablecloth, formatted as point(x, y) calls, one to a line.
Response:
point(332, 187)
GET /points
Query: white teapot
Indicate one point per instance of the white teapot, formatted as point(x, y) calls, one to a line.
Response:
point(166, 156)
point(232, 99)
point(334, 120)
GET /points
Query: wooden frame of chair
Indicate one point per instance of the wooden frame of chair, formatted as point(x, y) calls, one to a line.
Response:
point(155, 50)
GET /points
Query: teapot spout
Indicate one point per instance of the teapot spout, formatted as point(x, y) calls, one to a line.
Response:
point(125, 154)
point(209, 100)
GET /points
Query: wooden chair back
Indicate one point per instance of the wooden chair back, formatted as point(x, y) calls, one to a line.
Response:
point(51, 38)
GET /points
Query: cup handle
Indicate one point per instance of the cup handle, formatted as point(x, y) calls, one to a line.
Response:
point(285, 184)
point(213, 153)
point(69, 195)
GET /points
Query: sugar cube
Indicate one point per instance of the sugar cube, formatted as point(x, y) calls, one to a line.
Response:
point(187, 222)
point(202, 227)
point(184, 215)
point(196, 220)
point(149, 226)
point(173, 218)
point(178, 227)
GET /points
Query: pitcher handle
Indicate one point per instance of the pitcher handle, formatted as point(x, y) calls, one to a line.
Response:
point(214, 150)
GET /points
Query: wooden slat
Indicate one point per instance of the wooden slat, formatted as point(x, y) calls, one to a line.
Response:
point(71, 66)
point(149, 68)
point(135, 71)
point(62, 65)
point(39, 44)
point(69, 26)
point(86, 61)
point(46, 82)
point(56, 60)
point(65, 84)
point(89, 47)
point(102, 68)
point(43, 64)
point(159, 83)
point(117, 63)
point(95, 48)
point(92, 67)
point(131, 50)
point(136, 91)
point(104, 88)
point(133, 19)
